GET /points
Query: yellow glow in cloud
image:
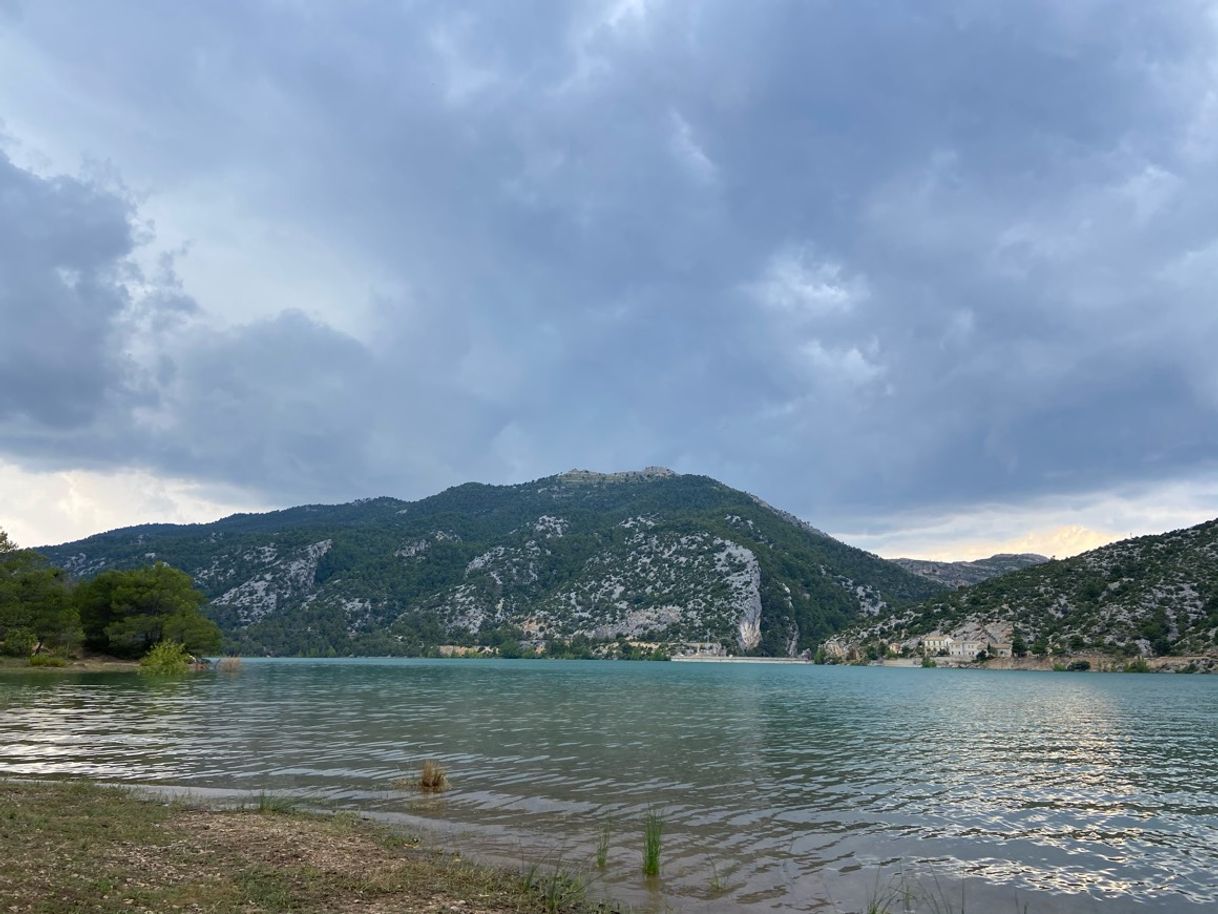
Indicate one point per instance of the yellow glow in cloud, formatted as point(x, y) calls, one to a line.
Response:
point(1059, 542)
point(39, 509)
point(1060, 526)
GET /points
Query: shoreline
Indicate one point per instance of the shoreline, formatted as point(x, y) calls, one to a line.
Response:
point(78, 665)
point(1098, 663)
point(81, 845)
point(713, 659)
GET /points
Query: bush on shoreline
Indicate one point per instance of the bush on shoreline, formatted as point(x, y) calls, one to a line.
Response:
point(166, 658)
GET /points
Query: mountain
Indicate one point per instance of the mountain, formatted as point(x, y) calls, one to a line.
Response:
point(965, 574)
point(648, 555)
point(1152, 595)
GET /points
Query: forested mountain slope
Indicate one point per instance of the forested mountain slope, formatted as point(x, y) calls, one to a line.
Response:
point(649, 554)
point(1148, 596)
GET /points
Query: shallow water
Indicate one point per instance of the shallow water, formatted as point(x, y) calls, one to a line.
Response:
point(783, 787)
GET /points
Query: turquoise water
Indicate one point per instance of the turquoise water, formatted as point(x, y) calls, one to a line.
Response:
point(784, 787)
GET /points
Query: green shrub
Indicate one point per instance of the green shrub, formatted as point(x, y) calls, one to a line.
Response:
point(928, 663)
point(1137, 666)
point(19, 642)
point(166, 658)
point(47, 660)
point(1079, 666)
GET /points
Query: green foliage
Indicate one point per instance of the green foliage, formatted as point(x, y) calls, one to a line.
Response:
point(1079, 666)
point(1137, 666)
point(166, 658)
point(929, 663)
point(126, 612)
point(50, 660)
point(1019, 647)
point(602, 844)
point(653, 836)
point(34, 599)
point(19, 642)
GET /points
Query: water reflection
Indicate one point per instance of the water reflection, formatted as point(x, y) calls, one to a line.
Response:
point(789, 787)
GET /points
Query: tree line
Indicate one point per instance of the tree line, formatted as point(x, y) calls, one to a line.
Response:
point(120, 613)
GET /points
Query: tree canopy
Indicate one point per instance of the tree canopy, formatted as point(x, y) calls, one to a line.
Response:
point(126, 612)
point(123, 613)
point(35, 602)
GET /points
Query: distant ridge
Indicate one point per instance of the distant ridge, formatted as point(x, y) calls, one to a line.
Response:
point(1142, 597)
point(964, 574)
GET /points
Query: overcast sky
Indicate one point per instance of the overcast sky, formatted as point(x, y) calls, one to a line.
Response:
point(939, 277)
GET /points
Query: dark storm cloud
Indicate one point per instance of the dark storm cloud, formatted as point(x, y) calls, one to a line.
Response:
point(854, 256)
point(62, 245)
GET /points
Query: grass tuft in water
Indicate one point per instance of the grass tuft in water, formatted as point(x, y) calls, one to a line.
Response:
point(432, 779)
point(653, 834)
point(602, 845)
point(228, 665)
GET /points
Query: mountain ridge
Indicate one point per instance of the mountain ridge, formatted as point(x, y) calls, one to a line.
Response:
point(648, 554)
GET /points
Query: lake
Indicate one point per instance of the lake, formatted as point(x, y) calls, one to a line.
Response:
point(783, 787)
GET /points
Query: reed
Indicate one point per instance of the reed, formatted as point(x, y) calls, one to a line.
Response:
point(653, 835)
point(602, 845)
point(228, 665)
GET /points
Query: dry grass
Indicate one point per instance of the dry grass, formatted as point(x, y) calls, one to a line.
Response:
point(79, 847)
point(432, 779)
point(228, 665)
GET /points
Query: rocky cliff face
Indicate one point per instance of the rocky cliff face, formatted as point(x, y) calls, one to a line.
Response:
point(649, 555)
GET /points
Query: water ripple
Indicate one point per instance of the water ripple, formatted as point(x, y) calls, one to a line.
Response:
point(796, 787)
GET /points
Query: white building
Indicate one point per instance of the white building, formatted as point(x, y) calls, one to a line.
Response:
point(966, 649)
point(936, 642)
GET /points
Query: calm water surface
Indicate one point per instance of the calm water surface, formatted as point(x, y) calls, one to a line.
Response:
point(783, 787)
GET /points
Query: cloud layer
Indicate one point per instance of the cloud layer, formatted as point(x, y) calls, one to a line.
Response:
point(868, 262)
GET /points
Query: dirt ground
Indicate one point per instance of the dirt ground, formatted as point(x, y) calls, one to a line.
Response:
point(78, 847)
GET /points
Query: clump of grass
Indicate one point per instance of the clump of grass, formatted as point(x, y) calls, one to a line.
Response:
point(166, 658)
point(432, 779)
point(557, 891)
point(602, 845)
point(228, 665)
point(653, 834)
point(270, 803)
point(717, 885)
point(47, 660)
